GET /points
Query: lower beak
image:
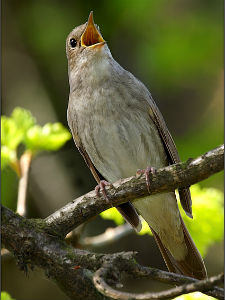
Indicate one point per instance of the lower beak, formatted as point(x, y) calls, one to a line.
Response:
point(91, 36)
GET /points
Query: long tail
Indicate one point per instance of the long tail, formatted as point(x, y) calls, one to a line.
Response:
point(192, 265)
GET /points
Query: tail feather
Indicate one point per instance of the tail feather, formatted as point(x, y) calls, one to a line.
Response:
point(193, 262)
point(192, 265)
point(129, 213)
point(168, 258)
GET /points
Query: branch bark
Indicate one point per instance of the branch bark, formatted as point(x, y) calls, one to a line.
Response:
point(78, 272)
point(72, 269)
point(101, 275)
point(164, 180)
point(36, 242)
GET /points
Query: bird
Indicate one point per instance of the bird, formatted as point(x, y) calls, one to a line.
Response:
point(118, 129)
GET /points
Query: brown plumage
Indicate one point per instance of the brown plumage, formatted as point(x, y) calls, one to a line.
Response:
point(118, 129)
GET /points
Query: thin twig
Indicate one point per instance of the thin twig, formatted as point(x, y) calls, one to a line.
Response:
point(199, 285)
point(164, 180)
point(25, 162)
point(139, 271)
point(109, 236)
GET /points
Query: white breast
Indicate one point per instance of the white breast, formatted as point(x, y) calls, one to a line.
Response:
point(118, 138)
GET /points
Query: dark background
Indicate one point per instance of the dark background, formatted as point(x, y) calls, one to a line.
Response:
point(175, 47)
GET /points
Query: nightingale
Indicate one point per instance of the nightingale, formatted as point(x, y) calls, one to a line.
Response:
point(118, 129)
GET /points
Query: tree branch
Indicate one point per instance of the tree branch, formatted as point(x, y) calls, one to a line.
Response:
point(108, 237)
point(164, 180)
point(186, 284)
point(79, 273)
point(72, 269)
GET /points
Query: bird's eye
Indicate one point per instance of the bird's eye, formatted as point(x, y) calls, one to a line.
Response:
point(73, 43)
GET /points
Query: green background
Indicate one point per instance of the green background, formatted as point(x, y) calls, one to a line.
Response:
point(175, 47)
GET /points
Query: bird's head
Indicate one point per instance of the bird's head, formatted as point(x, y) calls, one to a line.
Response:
point(85, 44)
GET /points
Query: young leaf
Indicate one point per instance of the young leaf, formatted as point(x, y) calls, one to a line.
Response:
point(8, 156)
point(10, 135)
point(112, 214)
point(21, 128)
point(6, 296)
point(194, 296)
point(13, 129)
point(23, 119)
point(49, 137)
point(206, 228)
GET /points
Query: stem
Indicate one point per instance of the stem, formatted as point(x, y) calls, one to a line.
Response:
point(25, 162)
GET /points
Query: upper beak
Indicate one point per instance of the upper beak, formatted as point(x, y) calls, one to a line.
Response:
point(91, 36)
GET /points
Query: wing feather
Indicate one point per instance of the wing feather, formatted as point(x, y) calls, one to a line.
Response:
point(127, 210)
point(170, 147)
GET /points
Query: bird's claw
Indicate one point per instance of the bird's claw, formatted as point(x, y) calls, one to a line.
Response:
point(101, 187)
point(147, 172)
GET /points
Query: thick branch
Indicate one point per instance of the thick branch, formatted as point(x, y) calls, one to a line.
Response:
point(37, 242)
point(73, 269)
point(164, 180)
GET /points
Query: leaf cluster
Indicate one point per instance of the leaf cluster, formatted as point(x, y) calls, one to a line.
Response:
point(21, 128)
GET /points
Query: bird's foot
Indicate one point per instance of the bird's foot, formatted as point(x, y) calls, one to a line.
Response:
point(147, 172)
point(101, 187)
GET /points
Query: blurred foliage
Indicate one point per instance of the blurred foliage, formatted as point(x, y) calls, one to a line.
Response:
point(21, 127)
point(6, 296)
point(7, 156)
point(194, 296)
point(175, 47)
point(114, 215)
point(207, 226)
point(50, 137)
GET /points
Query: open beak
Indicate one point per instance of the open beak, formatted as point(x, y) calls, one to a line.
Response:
point(91, 36)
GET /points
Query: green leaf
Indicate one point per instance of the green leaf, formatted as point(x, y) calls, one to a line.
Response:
point(13, 129)
point(194, 296)
point(10, 135)
point(145, 228)
point(49, 137)
point(6, 296)
point(8, 156)
point(206, 228)
point(21, 128)
point(112, 214)
point(23, 119)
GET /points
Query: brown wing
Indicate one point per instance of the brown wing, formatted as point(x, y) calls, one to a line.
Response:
point(127, 209)
point(192, 265)
point(170, 147)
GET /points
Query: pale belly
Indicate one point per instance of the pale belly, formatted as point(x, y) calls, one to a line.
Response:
point(120, 146)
